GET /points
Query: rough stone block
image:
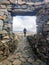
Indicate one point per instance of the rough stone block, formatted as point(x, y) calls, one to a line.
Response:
point(3, 17)
point(2, 6)
point(5, 11)
point(4, 1)
point(9, 6)
point(1, 13)
point(12, 1)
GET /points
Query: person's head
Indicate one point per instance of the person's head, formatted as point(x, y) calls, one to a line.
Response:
point(25, 29)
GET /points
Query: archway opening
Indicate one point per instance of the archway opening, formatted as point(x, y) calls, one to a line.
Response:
point(21, 22)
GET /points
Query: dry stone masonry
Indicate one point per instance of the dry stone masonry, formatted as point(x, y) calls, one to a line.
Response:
point(13, 6)
point(6, 36)
point(7, 8)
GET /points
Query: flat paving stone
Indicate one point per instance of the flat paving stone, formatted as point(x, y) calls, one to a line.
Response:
point(17, 62)
point(23, 59)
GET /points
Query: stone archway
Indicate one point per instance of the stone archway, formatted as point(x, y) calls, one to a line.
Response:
point(10, 8)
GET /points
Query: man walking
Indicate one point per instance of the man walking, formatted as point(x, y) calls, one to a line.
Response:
point(24, 32)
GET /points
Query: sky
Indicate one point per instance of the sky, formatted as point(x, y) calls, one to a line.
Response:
point(21, 22)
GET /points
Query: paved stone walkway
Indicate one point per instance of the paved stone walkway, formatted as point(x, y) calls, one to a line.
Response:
point(22, 56)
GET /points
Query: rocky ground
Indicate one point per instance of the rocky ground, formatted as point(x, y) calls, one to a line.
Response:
point(23, 55)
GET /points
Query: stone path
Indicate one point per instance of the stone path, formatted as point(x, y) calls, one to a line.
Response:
point(22, 56)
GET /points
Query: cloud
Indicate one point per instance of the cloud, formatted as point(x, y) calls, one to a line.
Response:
point(21, 22)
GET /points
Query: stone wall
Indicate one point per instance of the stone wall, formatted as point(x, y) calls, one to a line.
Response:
point(42, 17)
point(5, 18)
